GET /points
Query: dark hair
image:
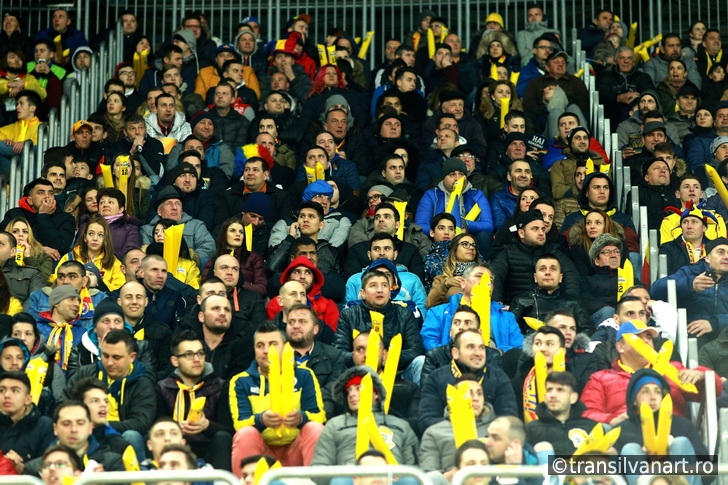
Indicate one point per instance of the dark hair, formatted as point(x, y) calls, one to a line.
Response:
point(185, 335)
point(18, 375)
point(623, 300)
point(158, 248)
point(51, 164)
point(241, 254)
point(113, 82)
point(370, 452)
point(76, 462)
point(301, 241)
point(383, 236)
point(256, 458)
point(467, 309)
point(310, 204)
point(75, 263)
point(387, 205)
point(24, 317)
point(468, 445)
point(189, 455)
point(69, 404)
point(547, 256)
point(564, 378)
point(456, 340)
point(442, 215)
point(82, 386)
point(121, 335)
point(566, 312)
point(114, 193)
point(547, 330)
point(107, 246)
point(311, 311)
point(270, 327)
point(171, 49)
point(31, 96)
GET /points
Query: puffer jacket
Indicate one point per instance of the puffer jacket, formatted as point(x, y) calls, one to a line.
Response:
point(505, 333)
point(710, 304)
point(497, 391)
point(434, 201)
point(397, 319)
point(503, 205)
point(180, 128)
point(562, 172)
point(88, 352)
point(565, 437)
point(408, 288)
point(336, 443)
point(195, 233)
point(631, 429)
point(605, 395)
point(213, 388)
point(325, 309)
point(512, 270)
point(619, 217)
point(538, 304)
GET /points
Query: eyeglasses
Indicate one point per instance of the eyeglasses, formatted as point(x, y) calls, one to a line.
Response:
point(375, 197)
point(200, 354)
point(609, 252)
point(55, 465)
point(127, 73)
point(321, 196)
point(468, 245)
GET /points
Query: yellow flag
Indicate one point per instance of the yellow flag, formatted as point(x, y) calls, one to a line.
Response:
point(541, 368)
point(473, 213)
point(323, 59)
point(310, 175)
point(660, 361)
point(598, 440)
point(632, 35)
point(261, 468)
point(288, 375)
point(331, 51)
point(494, 71)
point(462, 416)
point(430, 43)
point(505, 105)
point(390, 368)
point(625, 278)
point(717, 183)
point(106, 174)
point(514, 77)
point(480, 302)
point(36, 371)
point(172, 244)
point(274, 381)
point(248, 237)
point(401, 209)
point(131, 462)
point(365, 45)
point(533, 323)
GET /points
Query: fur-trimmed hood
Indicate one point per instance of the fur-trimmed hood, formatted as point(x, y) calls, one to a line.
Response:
point(339, 393)
point(491, 35)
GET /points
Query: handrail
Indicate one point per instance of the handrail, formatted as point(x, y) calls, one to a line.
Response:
point(654, 252)
point(511, 471)
point(156, 476)
point(344, 471)
point(682, 333)
point(710, 424)
point(20, 480)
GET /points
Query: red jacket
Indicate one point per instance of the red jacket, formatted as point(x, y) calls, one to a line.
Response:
point(325, 309)
point(605, 395)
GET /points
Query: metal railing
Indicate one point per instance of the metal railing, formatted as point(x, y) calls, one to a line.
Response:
point(156, 476)
point(20, 480)
point(344, 471)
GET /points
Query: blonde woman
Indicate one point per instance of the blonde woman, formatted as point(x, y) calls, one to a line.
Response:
point(33, 254)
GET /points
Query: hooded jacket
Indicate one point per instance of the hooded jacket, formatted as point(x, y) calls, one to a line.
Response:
point(134, 394)
point(525, 37)
point(503, 327)
point(565, 437)
point(74, 332)
point(631, 429)
point(617, 216)
point(408, 287)
point(213, 388)
point(75, 53)
point(325, 309)
point(39, 302)
point(434, 201)
point(397, 319)
point(250, 398)
point(336, 444)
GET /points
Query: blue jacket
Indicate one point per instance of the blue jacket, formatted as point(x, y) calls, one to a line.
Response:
point(38, 302)
point(503, 327)
point(339, 168)
point(528, 73)
point(710, 304)
point(410, 288)
point(433, 202)
point(503, 205)
point(71, 40)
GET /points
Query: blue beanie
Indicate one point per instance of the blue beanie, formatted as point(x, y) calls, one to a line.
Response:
point(318, 187)
point(648, 379)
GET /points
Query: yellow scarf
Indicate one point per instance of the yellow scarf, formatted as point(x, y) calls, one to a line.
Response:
point(457, 374)
point(180, 405)
point(691, 252)
point(61, 336)
point(625, 367)
point(530, 398)
point(710, 61)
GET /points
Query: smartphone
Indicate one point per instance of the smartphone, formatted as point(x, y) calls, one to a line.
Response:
point(42, 61)
point(712, 275)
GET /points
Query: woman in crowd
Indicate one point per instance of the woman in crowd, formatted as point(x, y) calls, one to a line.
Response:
point(33, 253)
point(583, 233)
point(462, 254)
point(125, 233)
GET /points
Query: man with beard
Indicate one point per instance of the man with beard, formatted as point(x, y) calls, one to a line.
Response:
point(326, 361)
point(577, 153)
point(503, 203)
point(193, 378)
point(167, 122)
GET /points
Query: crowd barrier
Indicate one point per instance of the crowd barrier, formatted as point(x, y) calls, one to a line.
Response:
point(20, 480)
point(389, 471)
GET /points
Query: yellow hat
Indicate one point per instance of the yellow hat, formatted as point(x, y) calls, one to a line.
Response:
point(495, 17)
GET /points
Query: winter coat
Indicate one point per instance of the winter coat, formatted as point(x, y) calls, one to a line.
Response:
point(409, 288)
point(562, 172)
point(326, 362)
point(435, 331)
point(339, 168)
point(611, 82)
point(231, 128)
point(39, 302)
point(537, 304)
point(71, 39)
point(99, 452)
point(525, 37)
point(252, 271)
point(88, 352)
point(152, 151)
point(180, 128)
point(29, 437)
point(325, 309)
point(656, 68)
point(710, 304)
point(45, 327)
point(629, 132)
point(503, 205)
point(677, 254)
point(299, 87)
point(335, 231)
point(134, 394)
point(572, 86)
point(580, 255)
point(631, 429)
point(397, 319)
point(697, 147)
point(590, 36)
point(605, 393)
point(21, 280)
point(437, 452)
point(250, 398)
point(195, 234)
point(512, 270)
point(54, 230)
point(213, 388)
point(468, 128)
point(555, 152)
point(112, 277)
point(565, 437)
point(529, 71)
point(125, 234)
point(435, 200)
point(497, 391)
point(336, 444)
point(21, 130)
point(363, 230)
point(232, 200)
point(209, 77)
point(714, 355)
point(434, 261)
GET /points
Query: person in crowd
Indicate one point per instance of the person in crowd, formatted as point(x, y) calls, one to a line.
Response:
point(33, 254)
point(463, 253)
point(582, 235)
point(14, 135)
point(20, 280)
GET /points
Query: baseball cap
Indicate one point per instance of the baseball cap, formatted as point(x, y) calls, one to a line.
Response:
point(634, 327)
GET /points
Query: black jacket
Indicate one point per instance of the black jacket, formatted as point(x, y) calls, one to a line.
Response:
point(134, 393)
point(231, 202)
point(565, 437)
point(326, 362)
point(537, 304)
point(497, 390)
point(29, 437)
point(231, 128)
point(54, 230)
point(656, 198)
point(21, 280)
point(512, 270)
point(677, 254)
point(152, 151)
point(397, 318)
point(408, 256)
point(600, 289)
point(611, 83)
point(99, 452)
